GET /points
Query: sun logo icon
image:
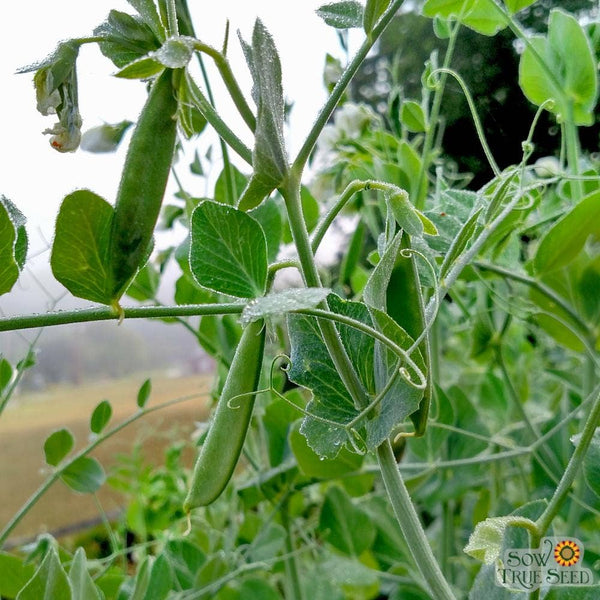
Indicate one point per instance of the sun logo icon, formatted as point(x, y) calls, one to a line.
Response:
point(566, 553)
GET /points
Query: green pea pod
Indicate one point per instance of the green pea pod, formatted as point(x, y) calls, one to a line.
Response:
point(223, 445)
point(405, 306)
point(143, 183)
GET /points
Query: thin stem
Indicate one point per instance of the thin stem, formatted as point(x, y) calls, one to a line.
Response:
point(106, 313)
point(434, 117)
point(5, 398)
point(230, 82)
point(351, 189)
point(222, 129)
point(476, 120)
point(56, 475)
point(340, 87)
point(291, 195)
point(539, 286)
point(572, 144)
point(172, 22)
point(534, 433)
point(294, 589)
point(562, 491)
point(409, 523)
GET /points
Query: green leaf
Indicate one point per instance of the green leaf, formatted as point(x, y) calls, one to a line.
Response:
point(100, 417)
point(18, 220)
point(374, 10)
point(6, 373)
point(588, 291)
point(14, 574)
point(13, 244)
point(351, 576)
point(570, 77)
point(413, 117)
point(143, 68)
point(257, 589)
point(126, 38)
point(104, 138)
point(460, 242)
point(406, 214)
point(147, 10)
point(342, 15)
point(142, 577)
point(84, 475)
point(350, 529)
point(270, 219)
point(485, 543)
point(186, 559)
point(238, 180)
point(313, 465)
point(81, 242)
point(514, 6)
point(145, 284)
point(190, 119)
point(57, 446)
point(565, 240)
point(591, 464)
point(144, 393)
point(485, 585)
point(279, 303)
point(49, 581)
point(479, 15)
point(269, 157)
point(161, 579)
point(81, 582)
point(267, 544)
point(228, 251)
point(312, 367)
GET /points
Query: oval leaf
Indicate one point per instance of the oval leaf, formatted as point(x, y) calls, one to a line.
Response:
point(81, 242)
point(144, 393)
point(100, 417)
point(342, 15)
point(84, 475)
point(569, 77)
point(57, 446)
point(567, 237)
point(228, 252)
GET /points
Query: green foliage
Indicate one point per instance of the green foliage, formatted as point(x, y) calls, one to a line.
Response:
point(409, 397)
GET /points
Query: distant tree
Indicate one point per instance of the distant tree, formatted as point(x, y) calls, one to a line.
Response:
point(488, 65)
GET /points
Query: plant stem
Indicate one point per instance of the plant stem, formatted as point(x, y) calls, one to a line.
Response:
point(222, 129)
point(410, 524)
point(433, 118)
point(230, 82)
point(341, 85)
point(106, 313)
point(172, 25)
point(291, 195)
point(294, 589)
point(564, 485)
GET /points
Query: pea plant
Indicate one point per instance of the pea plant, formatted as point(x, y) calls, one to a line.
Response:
point(388, 421)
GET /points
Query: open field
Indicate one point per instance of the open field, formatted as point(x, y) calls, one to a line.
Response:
point(32, 417)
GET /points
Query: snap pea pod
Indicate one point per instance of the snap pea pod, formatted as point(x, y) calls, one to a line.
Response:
point(405, 306)
point(143, 183)
point(223, 445)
